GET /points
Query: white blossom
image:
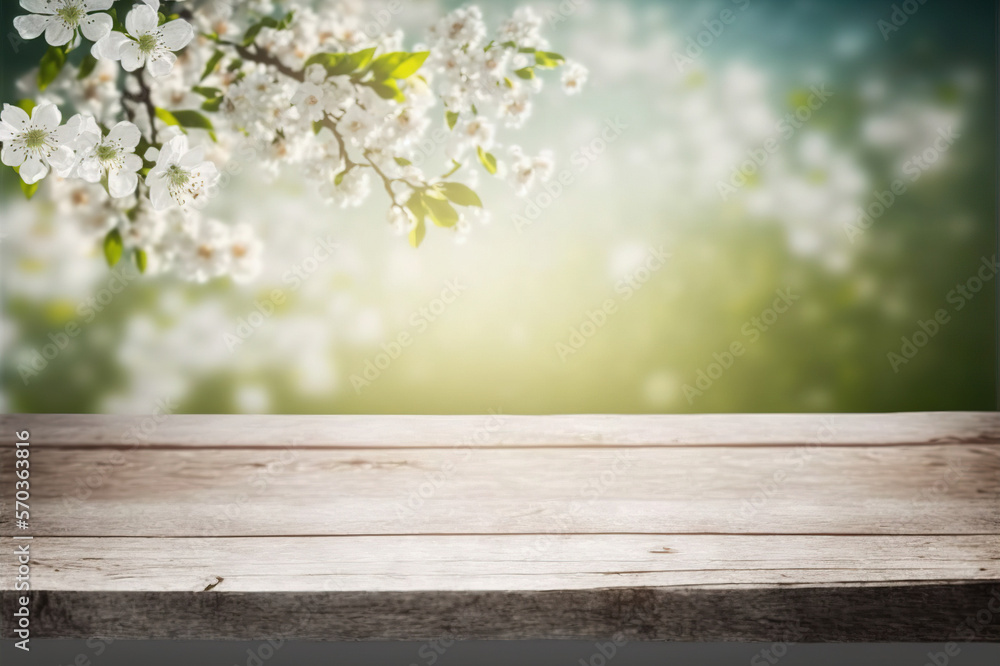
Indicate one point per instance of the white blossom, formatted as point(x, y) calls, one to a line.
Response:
point(206, 253)
point(60, 19)
point(147, 43)
point(312, 101)
point(356, 125)
point(401, 220)
point(113, 156)
point(36, 143)
point(525, 171)
point(181, 174)
point(573, 78)
point(352, 190)
point(246, 252)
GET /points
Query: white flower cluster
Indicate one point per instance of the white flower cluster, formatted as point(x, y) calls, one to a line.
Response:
point(313, 89)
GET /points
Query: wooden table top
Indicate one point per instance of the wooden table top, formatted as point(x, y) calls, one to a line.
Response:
point(715, 527)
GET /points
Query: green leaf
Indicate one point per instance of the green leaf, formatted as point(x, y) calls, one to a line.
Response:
point(50, 66)
point(341, 64)
point(187, 119)
point(418, 233)
point(141, 260)
point(403, 162)
point(212, 105)
point(526, 73)
point(456, 165)
point(452, 118)
point(266, 22)
point(460, 194)
point(113, 247)
point(27, 104)
point(339, 178)
point(526, 49)
point(442, 213)
point(317, 126)
point(87, 66)
point(209, 93)
point(486, 49)
point(548, 59)
point(410, 65)
point(416, 205)
point(488, 161)
point(383, 66)
point(387, 90)
point(330, 61)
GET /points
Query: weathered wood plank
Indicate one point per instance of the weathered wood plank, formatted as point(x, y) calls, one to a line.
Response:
point(864, 613)
point(858, 527)
point(672, 588)
point(501, 430)
point(503, 562)
point(945, 489)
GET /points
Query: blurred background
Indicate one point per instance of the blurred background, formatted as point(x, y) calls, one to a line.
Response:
point(517, 337)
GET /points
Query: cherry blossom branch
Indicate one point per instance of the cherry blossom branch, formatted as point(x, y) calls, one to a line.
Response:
point(267, 59)
point(144, 98)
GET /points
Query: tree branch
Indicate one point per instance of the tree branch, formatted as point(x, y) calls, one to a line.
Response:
point(143, 97)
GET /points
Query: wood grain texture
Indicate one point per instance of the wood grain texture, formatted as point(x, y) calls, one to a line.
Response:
point(940, 489)
point(495, 563)
point(503, 430)
point(853, 527)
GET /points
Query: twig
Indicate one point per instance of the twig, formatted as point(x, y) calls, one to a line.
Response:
point(143, 97)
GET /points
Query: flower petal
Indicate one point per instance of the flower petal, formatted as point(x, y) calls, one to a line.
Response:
point(192, 158)
point(207, 172)
point(132, 57)
point(173, 150)
point(90, 170)
point(155, 4)
point(96, 26)
point(122, 183)
point(64, 135)
point(97, 5)
point(46, 116)
point(110, 46)
point(33, 169)
point(159, 195)
point(39, 6)
point(89, 125)
point(13, 153)
point(125, 134)
point(141, 20)
point(63, 160)
point(15, 116)
point(176, 34)
point(32, 25)
point(86, 142)
point(58, 33)
point(131, 162)
point(161, 64)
